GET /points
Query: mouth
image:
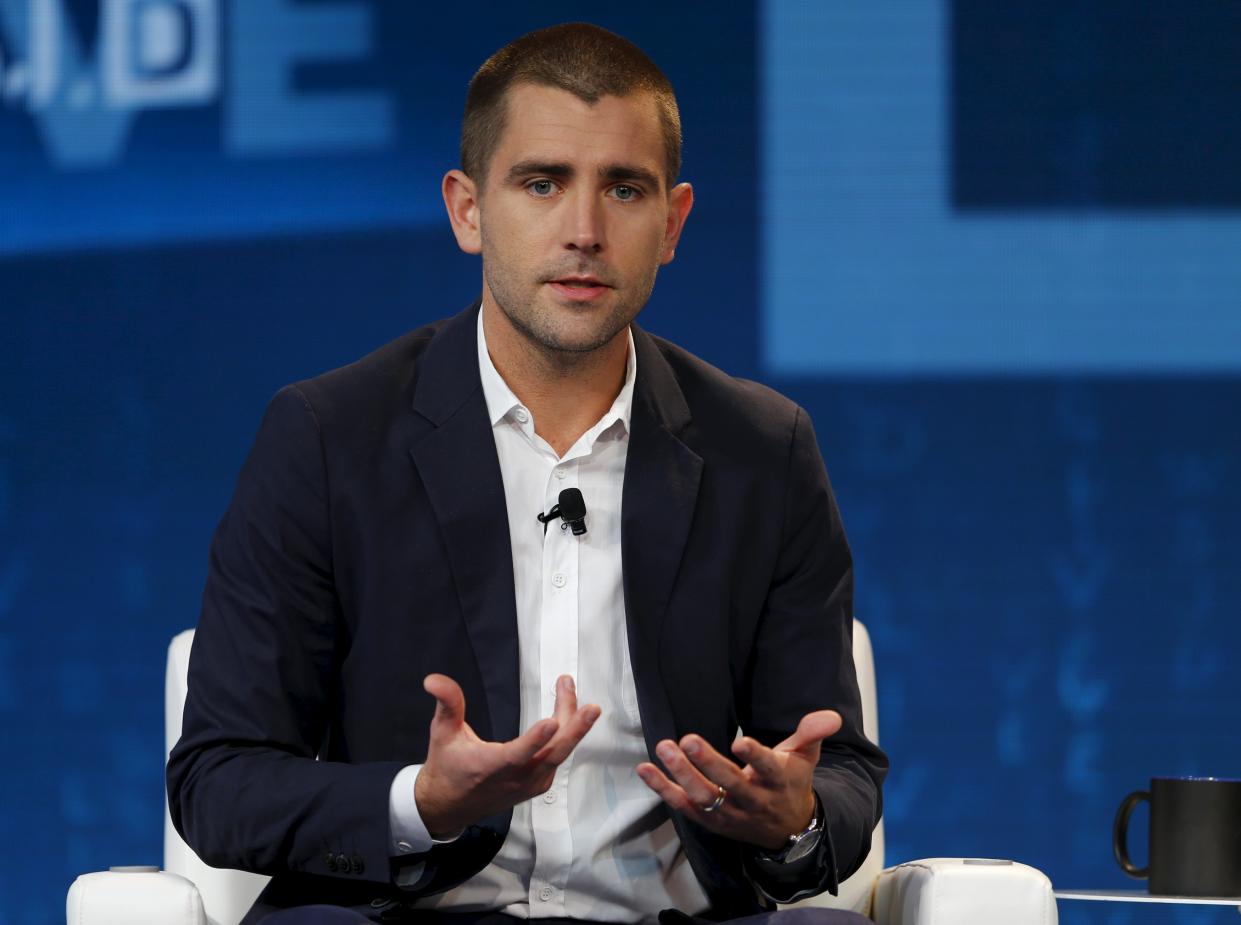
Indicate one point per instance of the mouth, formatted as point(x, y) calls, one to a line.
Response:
point(579, 288)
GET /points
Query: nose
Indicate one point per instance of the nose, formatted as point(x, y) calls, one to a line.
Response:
point(586, 219)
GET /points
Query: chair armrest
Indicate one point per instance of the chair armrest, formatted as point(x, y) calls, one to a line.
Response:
point(133, 896)
point(963, 891)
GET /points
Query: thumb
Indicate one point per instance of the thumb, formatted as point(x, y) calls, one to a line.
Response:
point(449, 700)
point(811, 731)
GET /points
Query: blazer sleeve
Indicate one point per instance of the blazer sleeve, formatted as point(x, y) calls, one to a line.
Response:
point(245, 788)
point(803, 661)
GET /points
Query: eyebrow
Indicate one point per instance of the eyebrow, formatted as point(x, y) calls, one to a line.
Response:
point(618, 173)
point(613, 173)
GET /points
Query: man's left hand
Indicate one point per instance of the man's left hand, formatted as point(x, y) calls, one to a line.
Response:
point(765, 802)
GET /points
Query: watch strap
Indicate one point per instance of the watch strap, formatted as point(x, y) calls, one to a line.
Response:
point(800, 843)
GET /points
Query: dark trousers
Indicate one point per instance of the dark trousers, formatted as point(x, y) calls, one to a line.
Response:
point(337, 915)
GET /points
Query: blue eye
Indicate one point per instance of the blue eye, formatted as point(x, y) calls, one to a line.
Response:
point(626, 193)
point(542, 187)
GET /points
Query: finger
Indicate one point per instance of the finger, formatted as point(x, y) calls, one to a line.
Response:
point(572, 732)
point(522, 750)
point(566, 699)
point(672, 794)
point(449, 699)
point(811, 731)
point(715, 767)
point(700, 790)
point(763, 760)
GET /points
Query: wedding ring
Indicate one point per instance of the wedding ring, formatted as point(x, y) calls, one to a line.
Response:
point(719, 800)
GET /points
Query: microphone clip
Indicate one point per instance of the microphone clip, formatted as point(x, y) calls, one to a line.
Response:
point(571, 509)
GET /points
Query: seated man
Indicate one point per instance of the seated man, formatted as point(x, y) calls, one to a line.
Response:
point(490, 606)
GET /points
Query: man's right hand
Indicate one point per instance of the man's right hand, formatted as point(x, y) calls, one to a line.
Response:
point(465, 779)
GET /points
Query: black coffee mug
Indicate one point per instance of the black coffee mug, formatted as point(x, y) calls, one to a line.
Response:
point(1195, 836)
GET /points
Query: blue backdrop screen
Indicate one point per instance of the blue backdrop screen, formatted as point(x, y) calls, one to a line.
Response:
point(994, 190)
point(990, 247)
point(143, 121)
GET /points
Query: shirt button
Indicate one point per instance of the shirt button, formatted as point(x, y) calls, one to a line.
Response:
point(562, 472)
point(558, 580)
point(549, 796)
point(522, 415)
point(546, 894)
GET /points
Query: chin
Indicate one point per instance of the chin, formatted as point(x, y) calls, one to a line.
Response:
point(569, 339)
point(574, 345)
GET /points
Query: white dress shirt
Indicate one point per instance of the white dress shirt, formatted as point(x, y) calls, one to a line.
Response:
point(599, 844)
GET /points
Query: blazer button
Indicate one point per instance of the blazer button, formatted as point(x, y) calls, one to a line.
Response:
point(357, 865)
point(330, 860)
point(342, 862)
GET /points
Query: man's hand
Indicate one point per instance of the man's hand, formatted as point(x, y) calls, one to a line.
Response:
point(766, 801)
point(465, 779)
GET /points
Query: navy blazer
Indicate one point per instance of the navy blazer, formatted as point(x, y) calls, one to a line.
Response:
point(367, 545)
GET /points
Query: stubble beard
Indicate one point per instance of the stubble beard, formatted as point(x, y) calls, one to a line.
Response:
point(542, 326)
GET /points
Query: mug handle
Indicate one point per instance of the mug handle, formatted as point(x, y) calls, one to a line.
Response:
point(1120, 834)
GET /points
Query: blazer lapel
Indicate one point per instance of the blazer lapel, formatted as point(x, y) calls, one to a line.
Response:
point(456, 459)
point(662, 477)
point(657, 508)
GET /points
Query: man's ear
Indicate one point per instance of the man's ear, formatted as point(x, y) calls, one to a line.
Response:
point(680, 201)
point(461, 201)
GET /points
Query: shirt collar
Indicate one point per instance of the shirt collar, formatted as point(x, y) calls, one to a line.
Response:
point(502, 403)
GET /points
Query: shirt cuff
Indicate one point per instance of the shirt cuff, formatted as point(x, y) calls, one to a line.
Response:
point(409, 834)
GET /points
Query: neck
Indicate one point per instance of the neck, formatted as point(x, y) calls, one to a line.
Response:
point(566, 392)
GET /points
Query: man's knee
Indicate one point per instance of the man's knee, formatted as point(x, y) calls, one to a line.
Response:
point(315, 915)
point(805, 915)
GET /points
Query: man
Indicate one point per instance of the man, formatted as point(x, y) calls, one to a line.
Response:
point(578, 756)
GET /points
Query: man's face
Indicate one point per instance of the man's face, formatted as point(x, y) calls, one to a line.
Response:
point(576, 217)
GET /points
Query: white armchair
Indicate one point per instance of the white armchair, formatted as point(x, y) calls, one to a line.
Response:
point(939, 891)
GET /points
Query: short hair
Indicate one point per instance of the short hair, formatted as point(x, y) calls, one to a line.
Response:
point(587, 61)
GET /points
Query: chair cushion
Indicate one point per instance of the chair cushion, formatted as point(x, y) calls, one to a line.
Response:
point(963, 891)
point(134, 896)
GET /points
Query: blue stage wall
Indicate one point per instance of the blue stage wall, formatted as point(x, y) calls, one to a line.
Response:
point(992, 250)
